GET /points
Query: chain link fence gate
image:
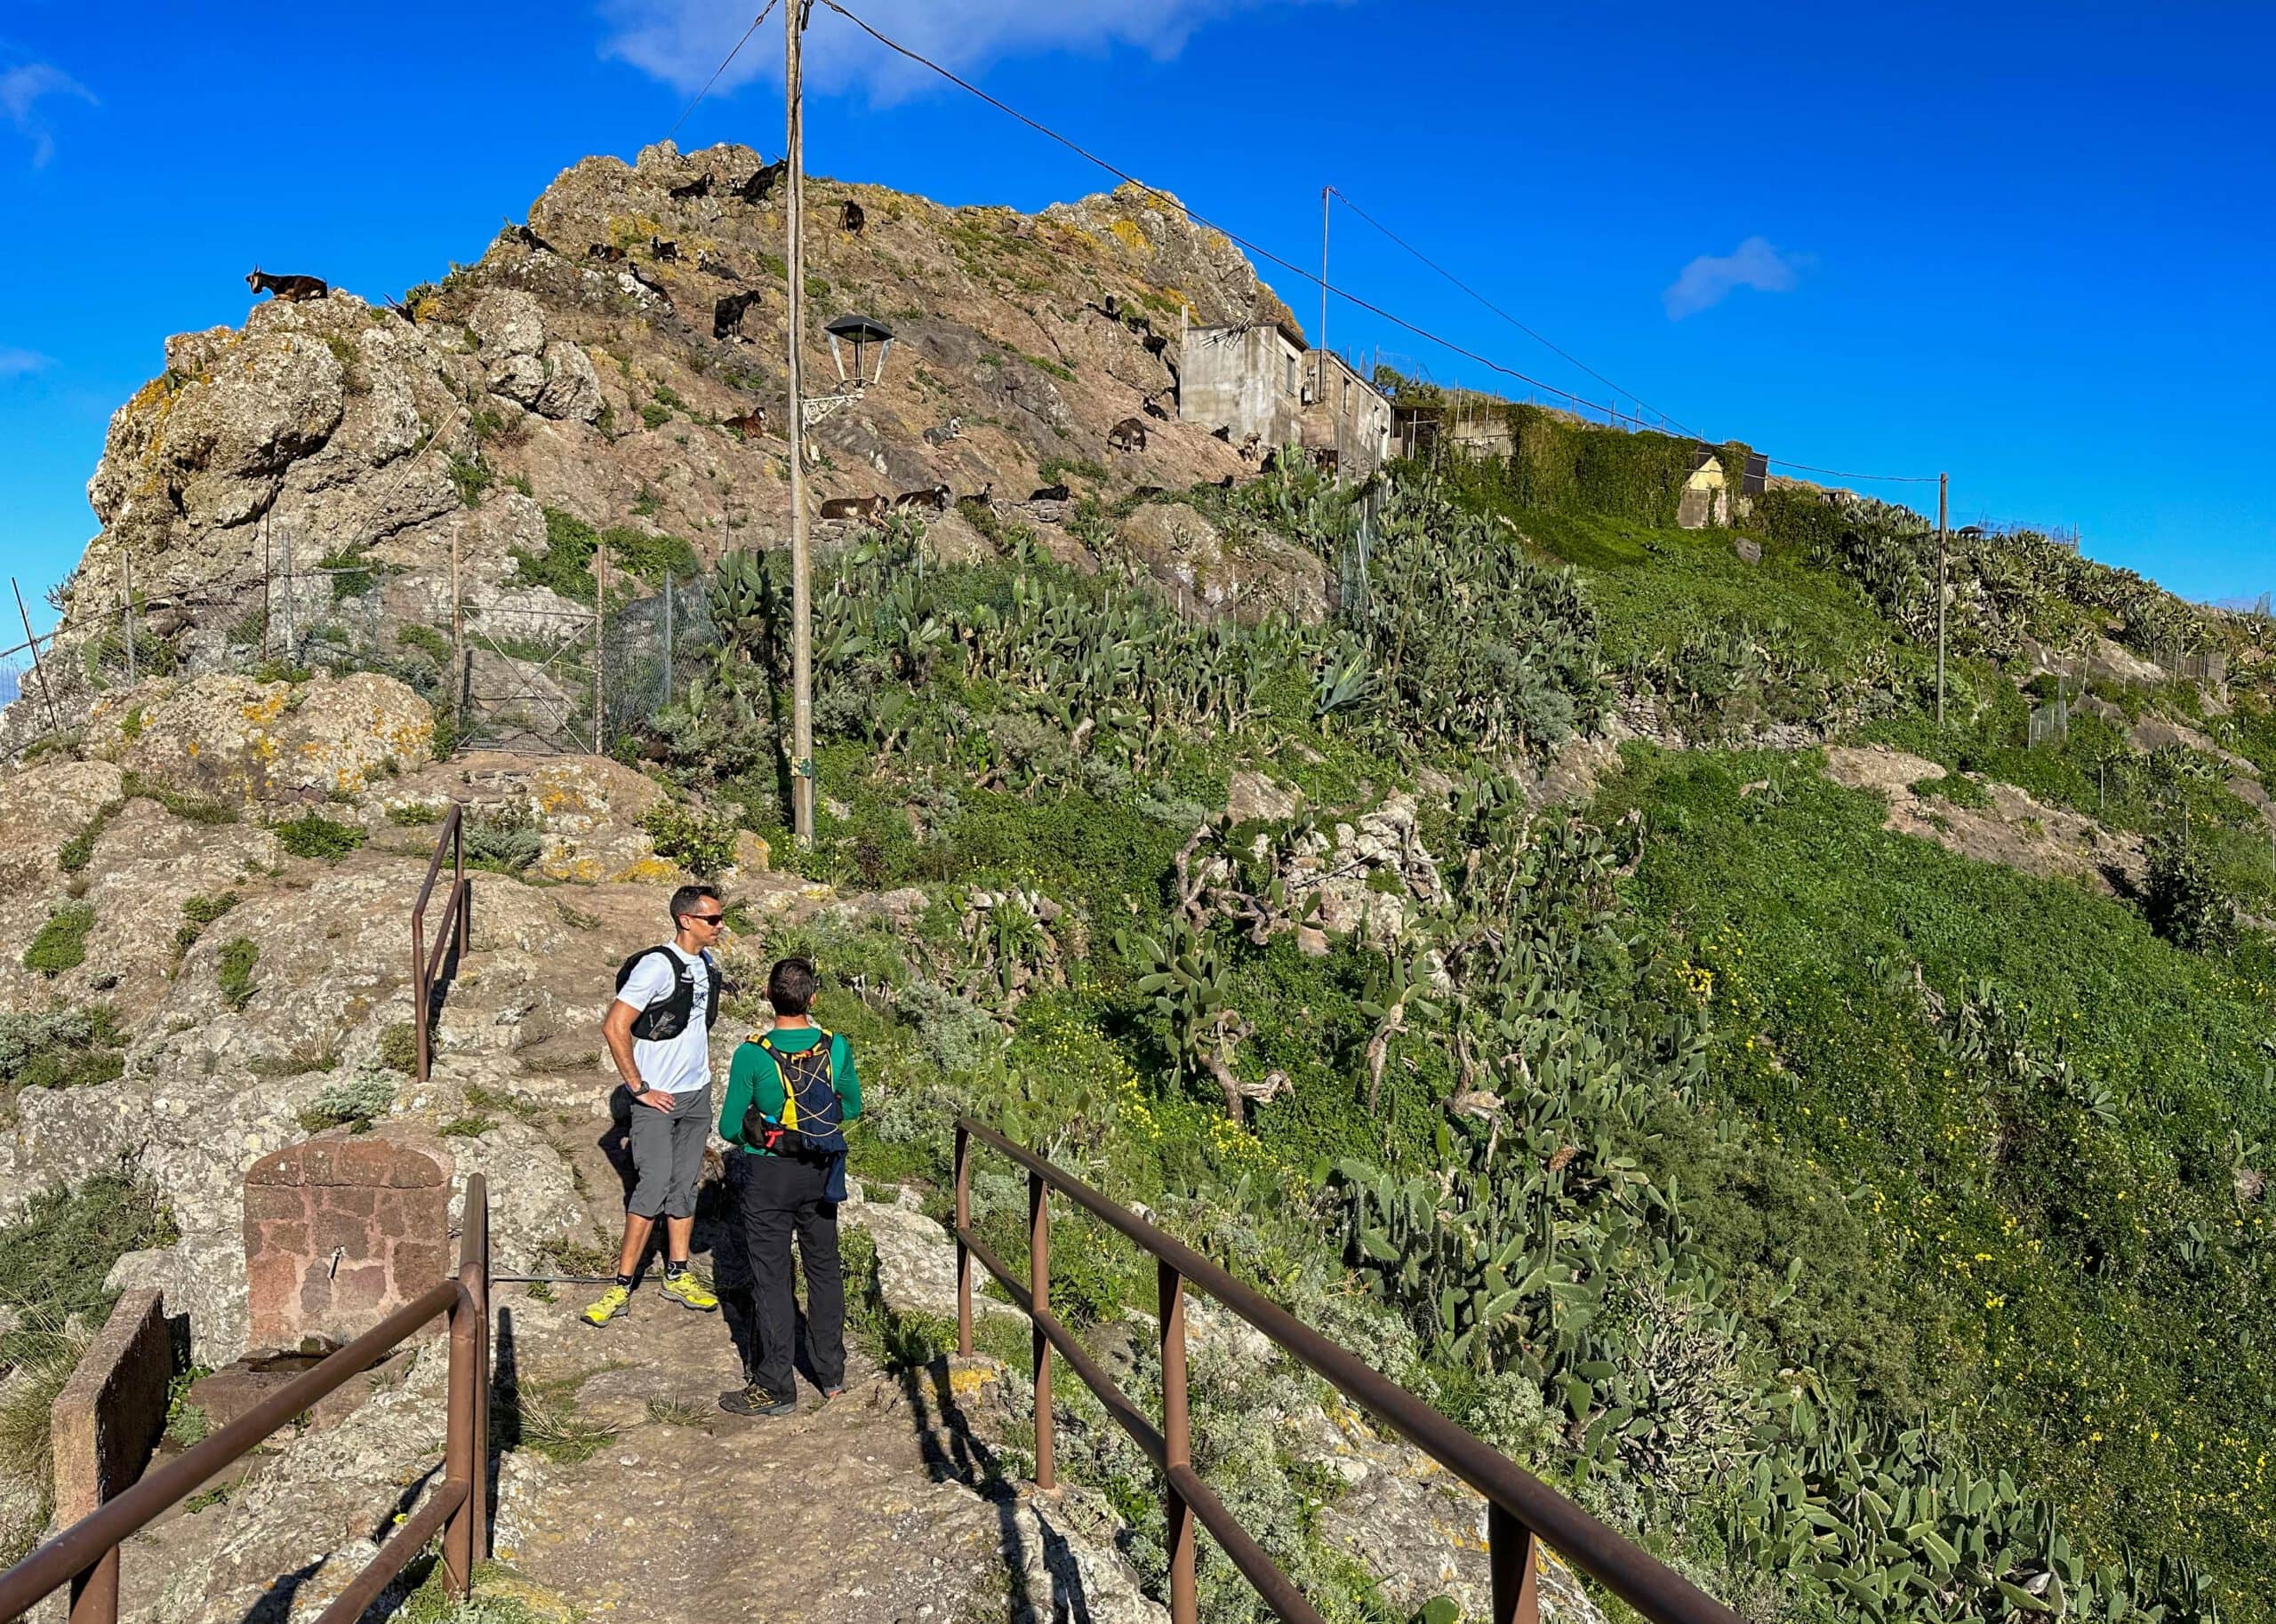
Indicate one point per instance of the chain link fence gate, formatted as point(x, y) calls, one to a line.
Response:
point(549, 694)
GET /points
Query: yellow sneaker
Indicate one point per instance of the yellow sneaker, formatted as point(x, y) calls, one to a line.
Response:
point(614, 1301)
point(686, 1291)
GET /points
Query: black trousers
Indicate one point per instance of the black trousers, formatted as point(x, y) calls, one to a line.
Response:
point(782, 1197)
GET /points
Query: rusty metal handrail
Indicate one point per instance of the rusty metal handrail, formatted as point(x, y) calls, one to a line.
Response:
point(85, 1555)
point(425, 966)
point(1519, 1507)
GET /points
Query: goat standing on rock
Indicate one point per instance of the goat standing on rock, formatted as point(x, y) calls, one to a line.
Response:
point(291, 289)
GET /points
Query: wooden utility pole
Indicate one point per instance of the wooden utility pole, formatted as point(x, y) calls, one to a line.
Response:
point(1943, 490)
point(802, 649)
point(600, 639)
point(1323, 191)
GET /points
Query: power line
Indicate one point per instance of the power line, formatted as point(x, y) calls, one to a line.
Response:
point(1198, 218)
point(716, 72)
point(1290, 266)
point(1893, 479)
point(1505, 316)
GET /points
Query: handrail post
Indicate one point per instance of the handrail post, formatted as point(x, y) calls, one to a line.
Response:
point(1177, 1446)
point(458, 1448)
point(421, 1016)
point(964, 1253)
point(1039, 1291)
point(94, 1594)
point(474, 1274)
point(465, 1454)
point(458, 879)
point(1510, 1561)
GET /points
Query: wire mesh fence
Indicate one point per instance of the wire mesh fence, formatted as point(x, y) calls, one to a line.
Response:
point(504, 668)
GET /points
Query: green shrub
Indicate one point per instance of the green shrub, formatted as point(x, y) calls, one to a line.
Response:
point(426, 640)
point(233, 969)
point(196, 914)
point(471, 476)
point(2185, 902)
point(702, 845)
point(62, 943)
point(466, 1127)
point(503, 839)
point(565, 567)
point(354, 1103)
point(656, 416)
point(59, 1048)
point(181, 804)
point(79, 850)
point(399, 1047)
point(1957, 788)
point(418, 814)
point(313, 835)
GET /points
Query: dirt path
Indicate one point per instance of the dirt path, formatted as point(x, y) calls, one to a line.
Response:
point(629, 1493)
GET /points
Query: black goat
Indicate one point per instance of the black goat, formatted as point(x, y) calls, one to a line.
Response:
point(761, 186)
point(664, 248)
point(529, 239)
point(291, 289)
point(727, 315)
point(710, 266)
point(852, 217)
point(935, 497)
point(1051, 493)
point(693, 188)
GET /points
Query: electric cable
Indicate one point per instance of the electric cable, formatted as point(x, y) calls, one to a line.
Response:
point(767, 11)
point(1290, 266)
point(1552, 348)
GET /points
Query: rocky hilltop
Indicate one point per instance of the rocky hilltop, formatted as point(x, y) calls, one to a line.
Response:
point(611, 360)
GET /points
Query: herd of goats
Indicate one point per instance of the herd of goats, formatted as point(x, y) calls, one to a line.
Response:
point(1129, 434)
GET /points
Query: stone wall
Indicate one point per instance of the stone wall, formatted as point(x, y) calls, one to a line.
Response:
point(341, 1232)
point(107, 1418)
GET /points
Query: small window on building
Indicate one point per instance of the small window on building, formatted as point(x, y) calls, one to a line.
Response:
point(1291, 374)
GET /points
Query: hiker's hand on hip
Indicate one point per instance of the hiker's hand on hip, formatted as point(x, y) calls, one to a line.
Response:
point(655, 1097)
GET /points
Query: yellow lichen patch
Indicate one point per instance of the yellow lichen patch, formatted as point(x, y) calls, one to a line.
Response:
point(1127, 232)
point(649, 868)
point(266, 708)
point(966, 1380)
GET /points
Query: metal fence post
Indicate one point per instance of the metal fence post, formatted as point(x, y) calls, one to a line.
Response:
point(126, 607)
point(94, 1594)
point(964, 1253)
point(1510, 1561)
point(668, 637)
point(1177, 1446)
point(1039, 1290)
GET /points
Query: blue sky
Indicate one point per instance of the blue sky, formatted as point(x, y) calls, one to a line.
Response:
point(2029, 243)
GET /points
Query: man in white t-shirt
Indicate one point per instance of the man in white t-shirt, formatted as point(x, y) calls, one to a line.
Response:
point(659, 1032)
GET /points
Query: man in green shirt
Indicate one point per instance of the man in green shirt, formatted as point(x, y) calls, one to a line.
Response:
point(789, 1094)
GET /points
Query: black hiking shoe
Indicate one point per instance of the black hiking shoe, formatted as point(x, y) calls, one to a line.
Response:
point(756, 1400)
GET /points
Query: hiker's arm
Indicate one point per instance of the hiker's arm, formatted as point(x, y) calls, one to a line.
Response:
point(616, 1031)
point(737, 1103)
point(849, 1085)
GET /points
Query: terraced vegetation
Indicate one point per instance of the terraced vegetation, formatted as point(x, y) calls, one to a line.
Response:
point(1878, 1229)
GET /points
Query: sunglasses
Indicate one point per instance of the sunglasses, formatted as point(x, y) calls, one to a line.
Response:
point(705, 918)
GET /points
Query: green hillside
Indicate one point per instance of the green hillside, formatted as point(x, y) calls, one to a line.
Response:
point(1878, 1229)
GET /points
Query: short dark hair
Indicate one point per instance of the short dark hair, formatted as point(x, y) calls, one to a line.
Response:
point(686, 897)
point(790, 986)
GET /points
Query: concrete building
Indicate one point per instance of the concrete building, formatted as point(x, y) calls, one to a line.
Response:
point(1345, 414)
point(1258, 383)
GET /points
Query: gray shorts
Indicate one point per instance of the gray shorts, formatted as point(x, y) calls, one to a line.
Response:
point(668, 1155)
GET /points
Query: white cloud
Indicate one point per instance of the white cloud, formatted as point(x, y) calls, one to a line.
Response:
point(681, 41)
point(22, 90)
point(15, 363)
point(1708, 279)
